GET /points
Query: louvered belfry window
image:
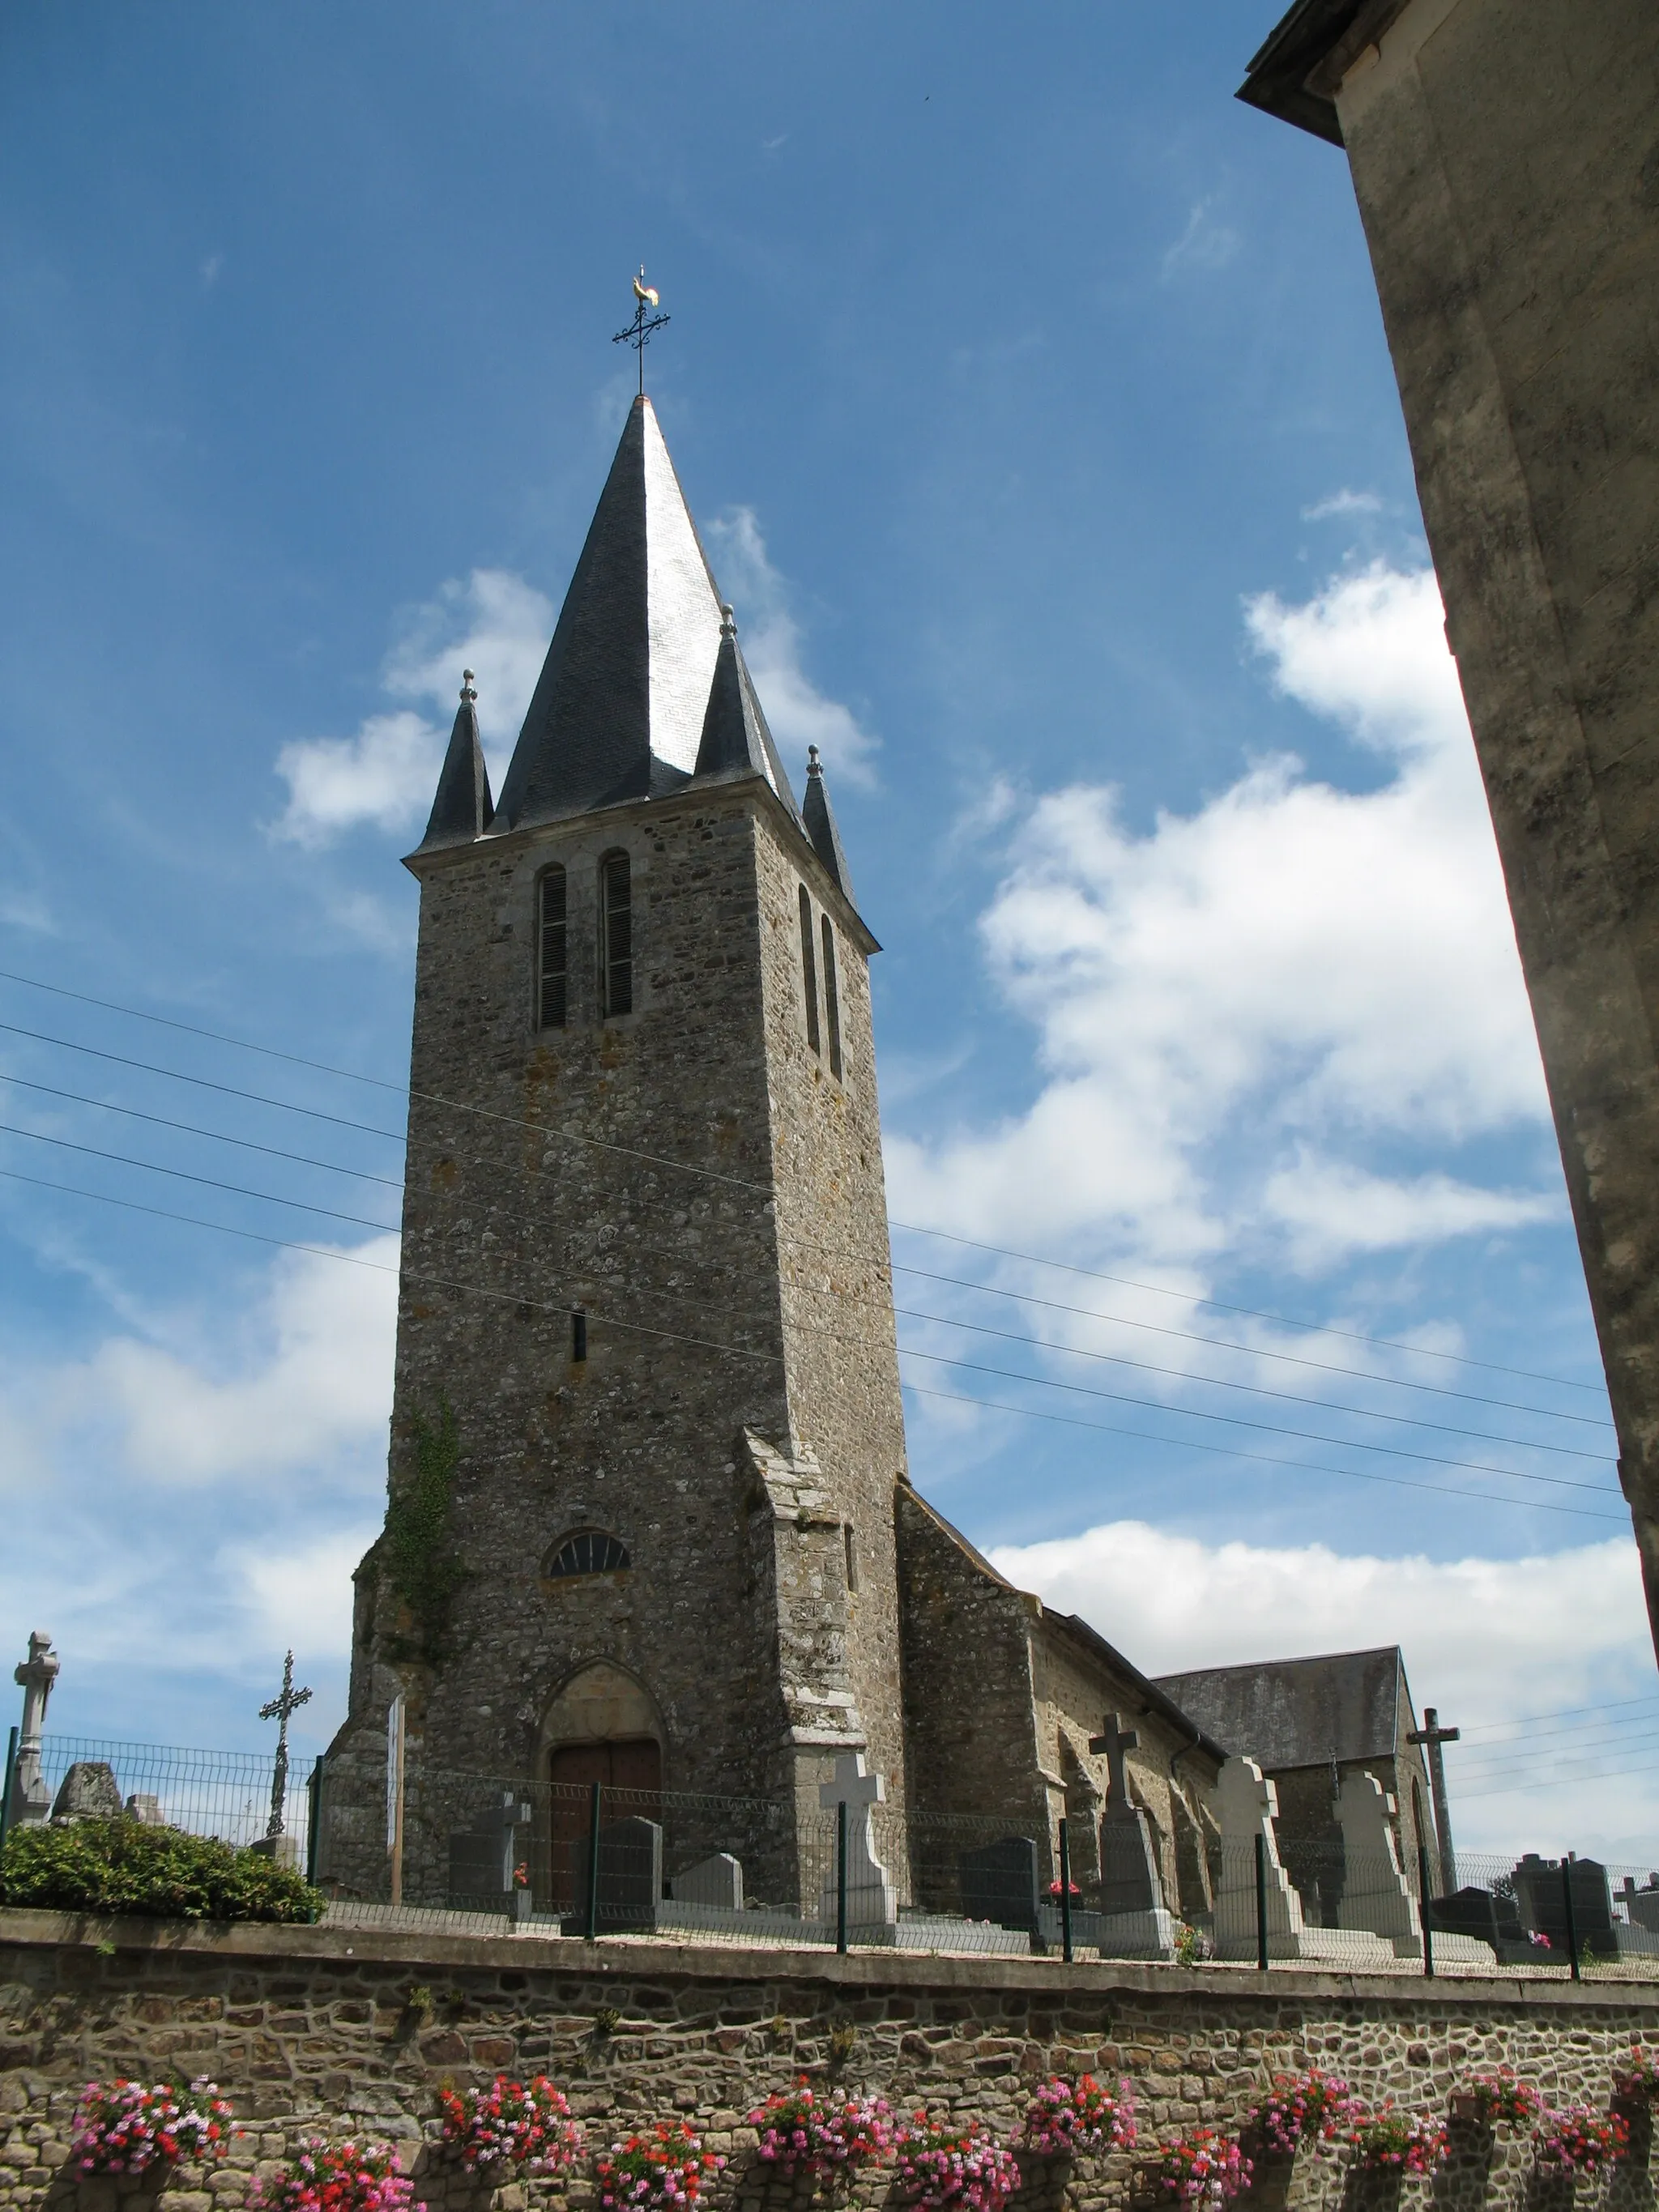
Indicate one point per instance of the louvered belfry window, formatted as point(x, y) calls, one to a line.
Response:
point(591, 1551)
point(809, 969)
point(551, 997)
point(617, 933)
point(831, 998)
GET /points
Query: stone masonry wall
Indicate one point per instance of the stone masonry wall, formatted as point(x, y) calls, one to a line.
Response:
point(317, 2030)
point(538, 1177)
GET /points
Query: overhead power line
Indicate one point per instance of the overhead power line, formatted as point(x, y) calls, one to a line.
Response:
point(1217, 1381)
point(515, 1297)
point(967, 1366)
point(1073, 1351)
point(1562, 1713)
point(969, 1243)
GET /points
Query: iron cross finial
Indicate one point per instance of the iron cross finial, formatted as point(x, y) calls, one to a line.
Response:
point(646, 324)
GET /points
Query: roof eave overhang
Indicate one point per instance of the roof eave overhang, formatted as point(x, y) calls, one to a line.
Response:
point(427, 858)
point(1156, 1701)
point(1295, 73)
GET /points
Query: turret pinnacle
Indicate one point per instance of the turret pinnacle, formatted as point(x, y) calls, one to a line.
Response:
point(735, 738)
point(820, 822)
point(462, 809)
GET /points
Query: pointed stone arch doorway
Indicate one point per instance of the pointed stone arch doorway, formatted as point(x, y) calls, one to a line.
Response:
point(603, 1726)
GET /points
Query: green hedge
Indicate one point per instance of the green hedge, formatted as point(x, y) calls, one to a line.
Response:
point(125, 1866)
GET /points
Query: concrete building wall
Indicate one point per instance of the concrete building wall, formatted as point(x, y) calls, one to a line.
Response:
point(1505, 157)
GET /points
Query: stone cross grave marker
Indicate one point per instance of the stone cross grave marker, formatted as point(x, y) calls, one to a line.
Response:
point(1129, 1863)
point(1246, 1806)
point(505, 1821)
point(871, 1899)
point(31, 1801)
point(1375, 1892)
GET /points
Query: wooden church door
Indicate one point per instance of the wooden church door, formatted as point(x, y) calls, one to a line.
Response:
point(632, 1765)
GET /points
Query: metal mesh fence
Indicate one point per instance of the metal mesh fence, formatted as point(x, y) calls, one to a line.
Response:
point(483, 1854)
point(226, 1794)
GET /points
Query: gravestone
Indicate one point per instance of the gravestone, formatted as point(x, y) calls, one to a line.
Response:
point(1538, 1893)
point(717, 1880)
point(999, 1882)
point(1246, 1807)
point(1641, 1905)
point(482, 1859)
point(872, 1900)
point(1375, 1892)
point(630, 1876)
point(144, 1807)
point(1488, 1915)
point(1129, 1860)
point(89, 1792)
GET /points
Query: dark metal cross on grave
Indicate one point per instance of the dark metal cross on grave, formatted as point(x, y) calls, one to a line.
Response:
point(1116, 1741)
point(278, 1710)
point(1431, 1735)
point(646, 324)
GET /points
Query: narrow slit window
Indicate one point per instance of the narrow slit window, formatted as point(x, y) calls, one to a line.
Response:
point(831, 998)
point(852, 1555)
point(551, 1000)
point(617, 933)
point(809, 969)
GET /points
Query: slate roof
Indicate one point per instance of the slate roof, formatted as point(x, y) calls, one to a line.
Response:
point(462, 809)
point(1300, 1712)
point(644, 672)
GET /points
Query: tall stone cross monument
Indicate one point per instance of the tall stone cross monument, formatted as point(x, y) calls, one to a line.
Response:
point(1434, 1739)
point(31, 1799)
point(642, 1104)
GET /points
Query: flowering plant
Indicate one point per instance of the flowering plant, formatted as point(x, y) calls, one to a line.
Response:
point(510, 2124)
point(1639, 2075)
point(1389, 2141)
point(124, 2128)
point(1200, 2168)
point(1499, 2100)
point(1581, 2141)
point(1307, 2108)
point(660, 2166)
point(958, 2163)
point(799, 2132)
point(1079, 2116)
point(342, 2177)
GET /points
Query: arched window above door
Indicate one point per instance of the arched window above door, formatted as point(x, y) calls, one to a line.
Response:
point(588, 1552)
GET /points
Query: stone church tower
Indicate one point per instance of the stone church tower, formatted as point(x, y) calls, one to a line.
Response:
point(648, 1428)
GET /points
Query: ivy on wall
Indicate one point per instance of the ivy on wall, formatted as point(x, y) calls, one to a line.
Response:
point(416, 1549)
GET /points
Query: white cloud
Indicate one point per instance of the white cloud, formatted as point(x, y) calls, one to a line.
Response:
point(1332, 1209)
point(1205, 243)
point(1487, 1641)
point(492, 622)
point(310, 1369)
point(1291, 974)
point(1342, 502)
point(384, 776)
point(798, 713)
point(201, 1487)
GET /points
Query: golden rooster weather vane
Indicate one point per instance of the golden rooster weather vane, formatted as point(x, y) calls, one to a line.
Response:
point(646, 323)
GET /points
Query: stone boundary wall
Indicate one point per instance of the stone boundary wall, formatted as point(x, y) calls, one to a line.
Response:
point(309, 2029)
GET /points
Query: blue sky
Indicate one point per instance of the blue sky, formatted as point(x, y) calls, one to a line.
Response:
point(1032, 397)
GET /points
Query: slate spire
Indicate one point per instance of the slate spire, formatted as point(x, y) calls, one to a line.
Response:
point(619, 707)
point(735, 738)
point(820, 822)
point(462, 809)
